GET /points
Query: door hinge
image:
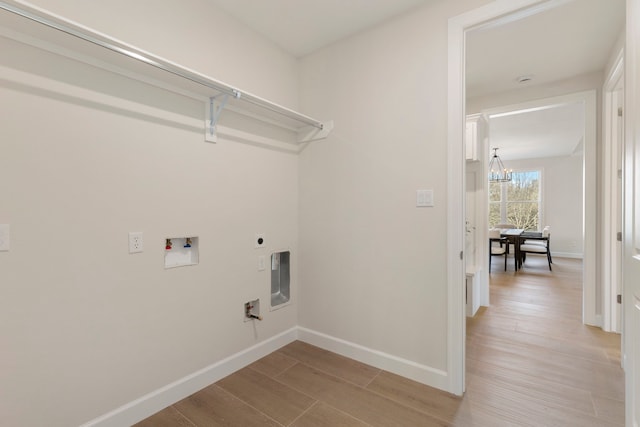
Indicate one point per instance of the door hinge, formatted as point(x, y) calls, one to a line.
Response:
point(461, 255)
point(619, 299)
point(619, 236)
point(619, 111)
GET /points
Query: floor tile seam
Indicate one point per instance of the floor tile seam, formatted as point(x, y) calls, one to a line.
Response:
point(341, 356)
point(335, 409)
point(550, 377)
point(593, 402)
point(334, 375)
point(606, 361)
point(604, 395)
point(314, 404)
point(602, 416)
point(539, 305)
point(549, 380)
point(312, 397)
point(499, 314)
point(514, 419)
point(302, 392)
point(364, 389)
point(503, 384)
point(515, 342)
point(294, 360)
point(372, 379)
point(249, 405)
point(404, 404)
point(569, 337)
point(543, 407)
point(276, 379)
point(184, 416)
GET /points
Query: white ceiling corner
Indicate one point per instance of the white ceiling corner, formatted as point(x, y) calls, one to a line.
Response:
point(301, 26)
point(572, 39)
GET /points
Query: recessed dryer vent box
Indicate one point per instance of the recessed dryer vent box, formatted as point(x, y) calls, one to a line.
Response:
point(280, 279)
point(180, 251)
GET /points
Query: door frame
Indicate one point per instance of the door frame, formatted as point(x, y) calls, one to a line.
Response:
point(588, 99)
point(631, 226)
point(457, 27)
point(611, 202)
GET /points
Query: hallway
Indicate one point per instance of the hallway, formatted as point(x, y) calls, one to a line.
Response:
point(531, 361)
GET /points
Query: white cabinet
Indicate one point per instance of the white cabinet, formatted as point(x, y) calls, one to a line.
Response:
point(476, 134)
point(476, 211)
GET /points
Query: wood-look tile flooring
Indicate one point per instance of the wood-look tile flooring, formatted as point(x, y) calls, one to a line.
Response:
point(530, 362)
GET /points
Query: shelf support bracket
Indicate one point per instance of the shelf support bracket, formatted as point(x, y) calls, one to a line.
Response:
point(315, 134)
point(214, 109)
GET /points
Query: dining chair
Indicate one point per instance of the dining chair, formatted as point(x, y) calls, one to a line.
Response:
point(537, 245)
point(512, 248)
point(501, 250)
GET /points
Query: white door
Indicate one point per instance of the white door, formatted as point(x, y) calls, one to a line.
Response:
point(631, 233)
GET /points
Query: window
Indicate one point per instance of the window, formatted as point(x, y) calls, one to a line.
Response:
point(516, 202)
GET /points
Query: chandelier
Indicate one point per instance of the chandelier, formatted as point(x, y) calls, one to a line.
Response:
point(497, 171)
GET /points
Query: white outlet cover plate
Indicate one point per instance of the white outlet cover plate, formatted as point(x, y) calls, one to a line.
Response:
point(136, 244)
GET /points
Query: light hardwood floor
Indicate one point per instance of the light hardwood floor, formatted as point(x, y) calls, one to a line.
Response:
point(530, 362)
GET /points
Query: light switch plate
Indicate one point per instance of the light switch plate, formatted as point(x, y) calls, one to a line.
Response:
point(4, 237)
point(424, 198)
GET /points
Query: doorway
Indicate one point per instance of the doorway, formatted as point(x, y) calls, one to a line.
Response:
point(568, 201)
point(493, 14)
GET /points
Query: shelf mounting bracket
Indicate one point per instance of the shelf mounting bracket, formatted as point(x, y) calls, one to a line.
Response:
point(310, 135)
point(214, 109)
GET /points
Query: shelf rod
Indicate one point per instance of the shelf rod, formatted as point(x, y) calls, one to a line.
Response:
point(103, 41)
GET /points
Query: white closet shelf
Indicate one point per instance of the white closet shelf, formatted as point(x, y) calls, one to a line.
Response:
point(29, 24)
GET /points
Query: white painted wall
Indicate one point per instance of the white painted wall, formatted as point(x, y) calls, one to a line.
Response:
point(562, 205)
point(373, 266)
point(195, 34)
point(95, 325)
point(86, 327)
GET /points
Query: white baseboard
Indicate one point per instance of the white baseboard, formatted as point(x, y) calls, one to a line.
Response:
point(159, 399)
point(597, 321)
point(403, 367)
point(573, 255)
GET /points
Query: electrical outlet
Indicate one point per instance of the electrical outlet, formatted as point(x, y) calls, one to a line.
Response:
point(135, 242)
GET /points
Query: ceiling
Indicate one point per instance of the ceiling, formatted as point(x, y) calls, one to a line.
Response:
point(570, 40)
point(552, 131)
point(303, 26)
point(555, 44)
point(549, 44)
